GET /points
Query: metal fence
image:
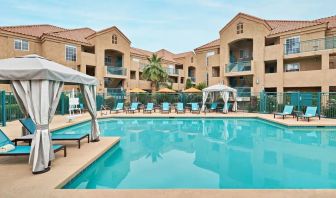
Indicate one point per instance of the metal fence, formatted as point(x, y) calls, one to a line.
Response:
point(258, 102)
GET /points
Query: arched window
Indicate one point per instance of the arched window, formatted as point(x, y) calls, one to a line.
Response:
point(240, 28)
point(114, 39)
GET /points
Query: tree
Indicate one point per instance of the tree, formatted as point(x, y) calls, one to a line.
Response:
point(189, 84)
point(154, 72)
point(201, 85)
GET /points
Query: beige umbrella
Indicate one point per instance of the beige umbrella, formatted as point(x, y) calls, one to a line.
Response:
point(166, 90)
point(192, 90)
point(137, 90)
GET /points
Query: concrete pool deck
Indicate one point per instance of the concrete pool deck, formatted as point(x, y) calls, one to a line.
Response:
point(17, 180)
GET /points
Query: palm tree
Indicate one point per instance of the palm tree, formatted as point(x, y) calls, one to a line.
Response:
point(154, 72)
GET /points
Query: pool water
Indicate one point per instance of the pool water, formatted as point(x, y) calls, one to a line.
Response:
point(210, 154)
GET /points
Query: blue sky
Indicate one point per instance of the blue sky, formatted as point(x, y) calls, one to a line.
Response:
point(176, 25)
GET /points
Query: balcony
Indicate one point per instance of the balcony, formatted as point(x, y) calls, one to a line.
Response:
point(88, 58)
point(172, 71)
point(310, 45)
point(239, 68)
point(114, 91)
point(243, 91)
point(115, 72)
point(193, 79)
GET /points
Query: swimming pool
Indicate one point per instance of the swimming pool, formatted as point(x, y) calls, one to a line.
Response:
point(212, 153)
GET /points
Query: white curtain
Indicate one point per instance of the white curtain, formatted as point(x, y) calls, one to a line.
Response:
point(235, 106)
point(89, 92)
point(225, 96)
point(205, 96)
point(39, 99)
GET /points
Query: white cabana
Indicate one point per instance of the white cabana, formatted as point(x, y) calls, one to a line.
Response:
point(224, 92)
point(37, 84)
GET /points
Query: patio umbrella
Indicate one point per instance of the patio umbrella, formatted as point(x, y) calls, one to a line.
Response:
point(137, 90)
point(166, 90)
point(192, 90)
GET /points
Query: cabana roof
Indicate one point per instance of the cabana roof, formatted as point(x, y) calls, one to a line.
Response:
point(219, 87)
point(34, 67)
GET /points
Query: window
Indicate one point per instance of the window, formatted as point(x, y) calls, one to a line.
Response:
point(240, 28)
point(292, 67)
point(136, 60)
point(21, 44)
point(70, 53)
point(270, 66)
point(215, 71)
point(133, 75)
point(114, 39)
point(243, 54)
point(108, 60)
point(292, 45)
point(182, 80)
point(208, 54)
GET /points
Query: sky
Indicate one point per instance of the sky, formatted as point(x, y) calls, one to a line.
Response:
point(175, 25)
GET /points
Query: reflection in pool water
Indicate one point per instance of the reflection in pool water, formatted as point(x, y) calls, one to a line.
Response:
point(210, 154)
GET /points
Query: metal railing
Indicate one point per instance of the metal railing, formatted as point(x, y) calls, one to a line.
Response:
point(239, 66)
point(111, 70)
point(192, 78)
point(310, 45)
point(243, 91)
point(172, 71)
point(259, 102)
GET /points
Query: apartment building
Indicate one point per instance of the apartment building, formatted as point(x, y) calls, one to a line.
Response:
point(251, 54)
point(254, 54)
point(106, 54)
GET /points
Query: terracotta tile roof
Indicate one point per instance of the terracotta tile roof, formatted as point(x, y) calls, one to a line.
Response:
point(280, 26)
point(166, 55)
point(141, 52)
point(214, 43)
point(32, 30)
point(78, 35)
point(330, 20)
point(184, 54)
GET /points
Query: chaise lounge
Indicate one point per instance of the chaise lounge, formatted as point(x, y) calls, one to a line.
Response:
point(21, 150)
point(288, 110)
point(195, 108)
point(119, 107)
point(149, 108)
point(180, 108)
point(165, 107)
point(310, 112)
point(31, 128)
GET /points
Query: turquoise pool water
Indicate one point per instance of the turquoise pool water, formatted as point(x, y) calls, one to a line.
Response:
point(210, 154)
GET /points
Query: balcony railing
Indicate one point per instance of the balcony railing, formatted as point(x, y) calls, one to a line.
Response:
point(310, 45)
point(114, 91)
point(172, 71)
point(243, 91)
point(238, 66)
point(111, 70)
point(192, 78)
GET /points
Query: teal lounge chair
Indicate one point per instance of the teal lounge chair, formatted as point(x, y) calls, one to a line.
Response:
point(180, 108)
point(195, 108)
point(23, 150)
point(165, 107)
point(133, 108)
point(31, 128)
point(119, 107)
point(213, 107)
point(149, 108)
point(310, 112)
point(288, 110)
